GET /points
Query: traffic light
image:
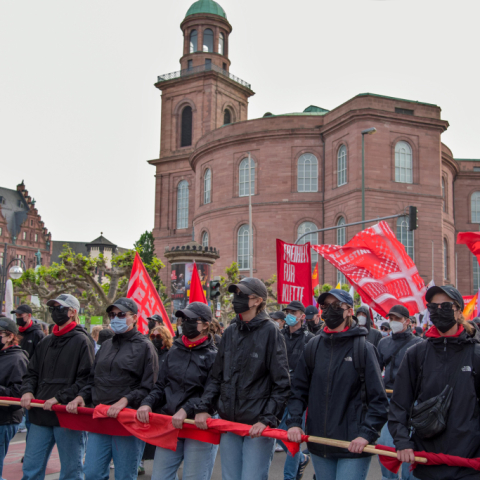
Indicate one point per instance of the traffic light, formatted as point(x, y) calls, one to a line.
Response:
point(412, 218)
point(214, 290)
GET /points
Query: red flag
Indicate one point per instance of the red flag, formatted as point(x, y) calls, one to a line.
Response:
point(196, 290)
point(376, 263)
point(294, 277)
point(315, 281)
point(144, 293)
point(472, 241)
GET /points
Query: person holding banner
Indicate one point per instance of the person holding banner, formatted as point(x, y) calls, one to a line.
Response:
point(180, 386)
point(125, 370)
point(58, 370)
point(444, 371)
point(338, 379)
point(249, 383)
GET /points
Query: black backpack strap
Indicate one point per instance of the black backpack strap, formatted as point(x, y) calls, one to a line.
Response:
point(359, 364)
point(311, 351)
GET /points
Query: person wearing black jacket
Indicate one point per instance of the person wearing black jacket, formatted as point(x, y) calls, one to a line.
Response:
point(364, 320)
point(391, 351)
point(249, 383)
point(125, 370)
point(58, 370)
point(162, 340)
point(450, 356)
point(313, 320)
point(340, 405)
point(31, 333)
point(178, 389)
point(13, 365)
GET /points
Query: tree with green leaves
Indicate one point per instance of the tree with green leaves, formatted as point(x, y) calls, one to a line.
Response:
point(145, 246)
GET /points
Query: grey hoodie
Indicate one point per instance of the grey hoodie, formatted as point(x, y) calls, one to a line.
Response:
point(374, 336)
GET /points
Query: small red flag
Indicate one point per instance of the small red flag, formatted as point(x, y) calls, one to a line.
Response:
point(315, 281)
point(196, 290)
point(472, 241)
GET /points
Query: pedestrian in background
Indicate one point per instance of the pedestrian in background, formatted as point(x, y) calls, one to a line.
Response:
point(364, 320)
point(31, 333)
point(279, 319)
point(385, 329)
point(95, 333)
point(154, 321)
point(314, 322)
point(162, 341)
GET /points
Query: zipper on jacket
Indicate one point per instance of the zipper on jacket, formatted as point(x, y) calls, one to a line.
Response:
point(328, 388)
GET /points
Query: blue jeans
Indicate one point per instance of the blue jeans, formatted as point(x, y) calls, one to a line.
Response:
point(7, 432)
point(198, 460)
point(126, 452)
point(341, 468)
point(41, 440)
point(290, 469)
point(245, 458)
point(387, 440)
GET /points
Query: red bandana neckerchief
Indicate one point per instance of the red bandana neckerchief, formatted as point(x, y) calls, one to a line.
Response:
point(432, 332)
point(22, 329)
point(189, 344)
point(63, 331)
point(327, 330)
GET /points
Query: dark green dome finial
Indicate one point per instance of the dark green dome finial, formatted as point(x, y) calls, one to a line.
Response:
point(206, 6)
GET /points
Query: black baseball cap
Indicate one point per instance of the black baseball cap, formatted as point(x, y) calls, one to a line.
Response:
point(196, 310)
point(385, 325)
point(124, 305)
point(310, 312)
point(250, 286)
point(452, 292)
point(339, 294)
point(278, 315)
point(8, 325)
point(156, 318)
point(22, 309)
point(399, 311)
point(295, 306)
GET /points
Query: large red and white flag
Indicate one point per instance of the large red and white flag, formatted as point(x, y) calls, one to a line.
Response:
point(472, 241)
point(142, 290)
point(376, 263)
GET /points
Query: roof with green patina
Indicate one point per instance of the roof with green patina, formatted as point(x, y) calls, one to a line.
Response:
point(206, 6)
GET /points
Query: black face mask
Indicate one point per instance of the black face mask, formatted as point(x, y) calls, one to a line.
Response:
point(21, 322)
point(190, 329)
point(444, 320)
point(151, 324)
point(60, 318)
point(240, 303)
point(333, 318)
point(158, 344)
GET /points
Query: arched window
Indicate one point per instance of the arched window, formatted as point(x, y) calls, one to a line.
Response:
point(405, 236)
point(445, 259)
point(476, 207)
point(207, 186)
point(182, 205)
point(341, 240)
point(205, 239)
point(243, 247)
point(227, 117)
point(444, 195)
point(207, 40)
point(342, 166)
point(221, 44)
point(306, 227)
point(245, 178)
point(307, 173)
point(476, 275)
point(403, 163)
point(187, 127)
point(193, 41)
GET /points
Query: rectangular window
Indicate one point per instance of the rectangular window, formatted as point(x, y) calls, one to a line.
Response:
point(405, 236)
point(404, 111)
point(36, 237)
point(1, 231)
point(476, 169)
point(24, 235)
point(208, 64)
point(225, 66)
point(190, 64)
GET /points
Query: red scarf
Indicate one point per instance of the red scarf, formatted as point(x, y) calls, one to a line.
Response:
point(58, 333)
point(189, 344)
point(22, 329)
point(434, 333)
point(327, 330)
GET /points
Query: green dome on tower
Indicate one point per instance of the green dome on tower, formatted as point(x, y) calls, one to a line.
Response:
point(206, 6)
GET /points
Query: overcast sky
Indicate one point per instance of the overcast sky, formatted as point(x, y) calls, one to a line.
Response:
point(79, 116)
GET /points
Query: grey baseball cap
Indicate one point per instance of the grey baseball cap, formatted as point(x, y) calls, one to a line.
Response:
point(295, 306)
point(399, 311)
point(65, 300)
point(156, 318)
point(8, 325)
point(250, 286)
point(124, 305)
point(196, 310)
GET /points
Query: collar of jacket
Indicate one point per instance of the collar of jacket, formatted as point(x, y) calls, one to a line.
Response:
point(253, 324)
point(403, 335)
point(13, 349)
point(206, 344)
point(353, 331)
point(296, 333)
point(120, 337)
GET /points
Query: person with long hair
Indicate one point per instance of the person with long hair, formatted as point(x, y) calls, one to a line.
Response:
point(339, 380)
point(444, 371)
point(13, 365)
point(162, 341)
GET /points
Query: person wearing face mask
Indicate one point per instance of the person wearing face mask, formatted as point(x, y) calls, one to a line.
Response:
point(391, 351)
point(31, 333)
point(340, 404)
point(162, 341)
point(314, 323)
point(279, 319)
point(125, 370)
point(450, 355)
point(364, 320)
point(249, 383)
point(154, 321)
point(180, 386)
point(58, 370)
point(385, 329)
point(13, 365)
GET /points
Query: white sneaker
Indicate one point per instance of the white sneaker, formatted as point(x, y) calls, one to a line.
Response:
point(112, 466)
point(22, 430)
point(278, 448)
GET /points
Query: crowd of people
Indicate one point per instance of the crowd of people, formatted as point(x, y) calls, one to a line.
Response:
point(324, 370)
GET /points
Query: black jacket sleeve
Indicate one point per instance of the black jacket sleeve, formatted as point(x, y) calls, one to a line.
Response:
point(149, 377)
point(155, 398)
point(30, 379)
point(402, 399)
point(14, 382)
point(298, 401)
point(86, 390)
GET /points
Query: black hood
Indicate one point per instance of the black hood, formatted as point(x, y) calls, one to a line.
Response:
point(15, 350)
point(35, 326)
point(253, 324)
point(366, 311)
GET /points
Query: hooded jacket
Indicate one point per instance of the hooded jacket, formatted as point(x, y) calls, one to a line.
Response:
point(295, 343)
point(249, 379)
point(31, 337)
point(332, 393)
point(182, 380)
point(13, 366)
point(391, 351)
point(59, 368)
point(315, 329)
point(125, 366)
point(374, 336)
point(440, 367)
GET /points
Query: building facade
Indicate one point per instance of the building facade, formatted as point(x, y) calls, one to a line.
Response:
point(306, 169)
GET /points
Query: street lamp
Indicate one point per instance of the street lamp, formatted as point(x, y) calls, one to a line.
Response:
point(368, 131)
point(16, 272)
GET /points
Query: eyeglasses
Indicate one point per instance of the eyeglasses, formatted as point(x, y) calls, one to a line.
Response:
point(112, 315)
point(384, 329)
point(433, 307)
point(334, 306)
point(154, 336)
point(58, 308)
